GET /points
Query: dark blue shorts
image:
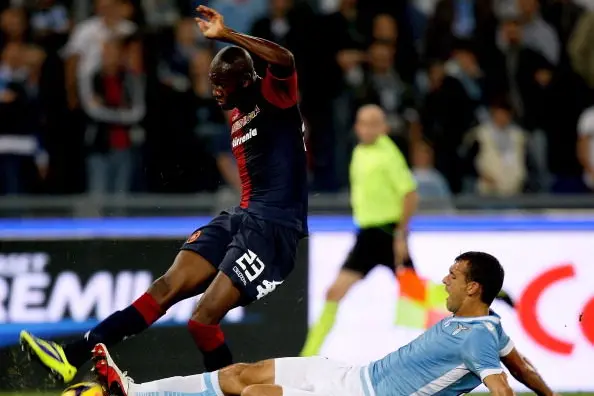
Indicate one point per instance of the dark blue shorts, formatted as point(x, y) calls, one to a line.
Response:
point(256, 254)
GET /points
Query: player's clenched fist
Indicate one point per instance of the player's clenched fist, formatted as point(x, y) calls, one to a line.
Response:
point(211, 23)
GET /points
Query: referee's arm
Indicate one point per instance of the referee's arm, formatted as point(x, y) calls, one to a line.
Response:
point(402, 180)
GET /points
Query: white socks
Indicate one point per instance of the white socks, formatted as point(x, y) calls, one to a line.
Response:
point(206, 384)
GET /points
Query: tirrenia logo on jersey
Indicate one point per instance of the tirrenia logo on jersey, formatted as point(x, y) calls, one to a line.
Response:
point(244, 138)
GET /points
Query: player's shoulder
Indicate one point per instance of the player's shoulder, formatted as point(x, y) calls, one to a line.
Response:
point(475, 327)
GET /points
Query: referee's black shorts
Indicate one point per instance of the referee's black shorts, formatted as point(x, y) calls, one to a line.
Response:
point(374, 246)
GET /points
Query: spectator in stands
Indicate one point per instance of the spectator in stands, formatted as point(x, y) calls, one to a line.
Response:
point(174, 66)
point(85, 46)
point(113, 99)
point(430, 183)
point(563, 16)
point(50, 24)
point(240, 14)
point(385, 29)
point(581, 48)
point(383, 86)
point(13, 26)
point(445, 125)
point(500, 148)
point(161, 13)
point(20, 146)
point(461, 19)
point(210, 125)
point(520, 64)
point(585, 146)
point(538, 34)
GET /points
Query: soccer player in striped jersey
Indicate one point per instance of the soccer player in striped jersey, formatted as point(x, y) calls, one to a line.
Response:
point(246, 252)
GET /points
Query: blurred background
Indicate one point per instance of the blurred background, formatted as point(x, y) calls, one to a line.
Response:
point(112, 151)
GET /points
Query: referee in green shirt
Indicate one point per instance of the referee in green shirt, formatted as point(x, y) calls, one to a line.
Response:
point(383, 198)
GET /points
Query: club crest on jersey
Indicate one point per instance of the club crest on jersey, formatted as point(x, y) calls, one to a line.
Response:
point(244, 138)
point(460, 328)
point(243, 121)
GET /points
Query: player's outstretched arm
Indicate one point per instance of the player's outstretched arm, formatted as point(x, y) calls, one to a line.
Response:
point(212, 26)
point(498, 385)
point(524, 371)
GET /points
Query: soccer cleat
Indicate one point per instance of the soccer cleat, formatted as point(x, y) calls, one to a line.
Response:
point(117, 382)
point(50, 354)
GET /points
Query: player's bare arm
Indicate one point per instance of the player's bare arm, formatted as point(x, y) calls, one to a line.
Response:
point(524, 371)
point(213, 27)
point(498, 385)
point(409, 207)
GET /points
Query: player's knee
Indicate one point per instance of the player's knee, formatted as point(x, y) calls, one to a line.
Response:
point(257, 373)
point(262, 390)
point(251, 390)
point(230, 378)
point(336, 292)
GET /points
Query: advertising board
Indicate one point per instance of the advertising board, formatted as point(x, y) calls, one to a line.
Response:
point(549, 272)
point(58, 284)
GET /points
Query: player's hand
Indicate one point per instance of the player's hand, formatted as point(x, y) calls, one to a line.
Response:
point(400, 247)
point(211, 23)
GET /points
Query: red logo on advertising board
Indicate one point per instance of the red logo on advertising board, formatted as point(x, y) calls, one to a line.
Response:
point(529, 317)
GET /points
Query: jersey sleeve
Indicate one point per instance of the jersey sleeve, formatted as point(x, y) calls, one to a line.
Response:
point(280, 92)
point(399, 174)
point(505, 343)
point(480, 353)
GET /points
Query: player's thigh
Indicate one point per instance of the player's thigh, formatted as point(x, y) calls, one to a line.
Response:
point(259, 258)
point(195, 265)
point(220, 297)
point(211, 240)
point(318, 375)
point(182, 280)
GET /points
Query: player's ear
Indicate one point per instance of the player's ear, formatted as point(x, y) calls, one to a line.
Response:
point(248, 78)
point(473, 288)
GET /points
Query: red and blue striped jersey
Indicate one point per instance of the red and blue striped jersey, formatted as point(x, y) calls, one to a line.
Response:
point(269, 147)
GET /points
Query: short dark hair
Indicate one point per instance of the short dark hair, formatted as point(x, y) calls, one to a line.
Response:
point(234, 61)
point(485, 270)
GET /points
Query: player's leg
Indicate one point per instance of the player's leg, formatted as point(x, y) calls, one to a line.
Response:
point(191, 268)
point(259, 258)
point(274, 377)
point(220, 297)
point(319, 331)
point(119, 384)
point(361, 259)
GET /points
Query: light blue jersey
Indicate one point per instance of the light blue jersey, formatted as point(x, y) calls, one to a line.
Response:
point(450, 358)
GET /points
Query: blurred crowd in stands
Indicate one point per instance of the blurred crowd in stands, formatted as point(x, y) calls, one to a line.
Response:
point(491, 97)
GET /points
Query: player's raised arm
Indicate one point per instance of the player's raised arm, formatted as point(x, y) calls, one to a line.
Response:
point(279, 85)
point(524, 372)
point(213, 27)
